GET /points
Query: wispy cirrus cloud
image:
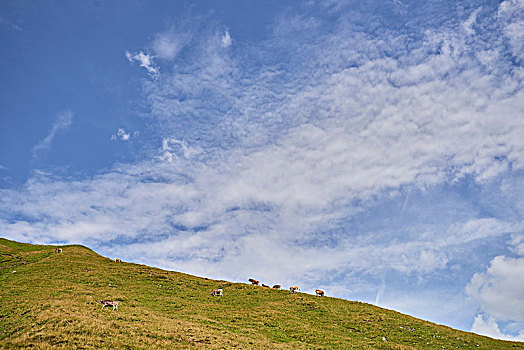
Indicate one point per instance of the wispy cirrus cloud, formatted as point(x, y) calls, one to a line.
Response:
point(63, 121)
point(226, 39)
point(168, 44)
point(511, 14)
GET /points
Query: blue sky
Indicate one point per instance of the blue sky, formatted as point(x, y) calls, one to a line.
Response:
point(373, 149)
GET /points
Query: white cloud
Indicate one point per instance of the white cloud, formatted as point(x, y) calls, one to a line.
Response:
point(123, 135)
point(5, 22)
point(511, 14)
point(63, 121)
point(380, 291)
point(468, 24)
point(517, 241)
point(475, 229)
point(226, 39)
point(491, 329)
point(173, 149)
point(144, 60)
point(168, 44)
point(500, 289)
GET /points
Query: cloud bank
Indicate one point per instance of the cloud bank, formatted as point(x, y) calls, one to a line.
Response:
point(491, 329)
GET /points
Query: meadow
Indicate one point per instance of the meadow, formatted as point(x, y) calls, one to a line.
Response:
point(50, 300)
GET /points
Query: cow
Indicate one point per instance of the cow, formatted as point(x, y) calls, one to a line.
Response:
point(277, 286)
point(217, 293)
point(293, 289)
point(118, 260)
point(105, 303)
point(320, 293)
point(265, 285)
point(253, 282)
point(58, 250)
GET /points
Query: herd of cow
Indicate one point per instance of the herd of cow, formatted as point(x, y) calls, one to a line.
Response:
point(292, 289)
point(215, 293)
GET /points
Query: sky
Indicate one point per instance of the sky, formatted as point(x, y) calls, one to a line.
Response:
point(373, 149)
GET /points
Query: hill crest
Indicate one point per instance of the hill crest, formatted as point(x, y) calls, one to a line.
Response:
point(50, 299)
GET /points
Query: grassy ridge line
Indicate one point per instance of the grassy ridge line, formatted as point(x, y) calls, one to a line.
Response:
point(51, 301)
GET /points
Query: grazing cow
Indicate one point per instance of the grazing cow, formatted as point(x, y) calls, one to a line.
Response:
point(105, 303)
point(118, 260)
point(217, 293)
point(265, 285)
point(58, 250)
point(253, 282)
point(293, 289)
point(320, 293)
point(277, 286)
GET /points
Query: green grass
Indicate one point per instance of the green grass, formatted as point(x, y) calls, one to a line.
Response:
point(51, 302)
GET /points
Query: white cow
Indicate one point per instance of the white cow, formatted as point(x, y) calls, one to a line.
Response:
point(217, 293)
point(105, 303)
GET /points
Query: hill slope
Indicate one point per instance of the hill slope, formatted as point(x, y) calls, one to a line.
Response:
point(51, 301)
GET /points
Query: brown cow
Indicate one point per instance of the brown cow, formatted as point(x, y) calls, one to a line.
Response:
point(254, 282)
point(118, 260)
point(277, 286)
point(293, 289)
point(320, 293)
point(217, 293)
point(265, 285)
point(58, 250)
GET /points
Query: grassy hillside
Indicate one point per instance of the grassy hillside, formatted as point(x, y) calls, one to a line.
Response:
point(51, 301)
